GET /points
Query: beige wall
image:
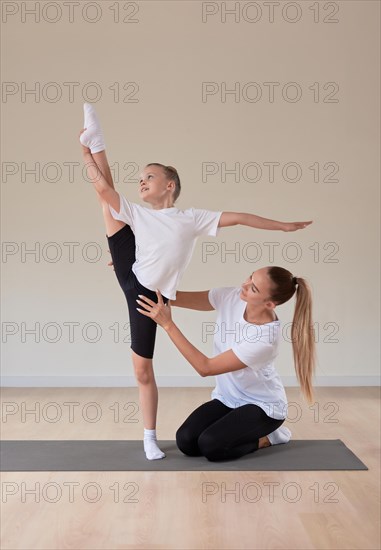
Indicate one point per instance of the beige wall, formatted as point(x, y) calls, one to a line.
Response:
point(169, 52)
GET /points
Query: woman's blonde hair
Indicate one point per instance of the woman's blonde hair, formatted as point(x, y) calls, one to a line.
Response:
point(283, 287)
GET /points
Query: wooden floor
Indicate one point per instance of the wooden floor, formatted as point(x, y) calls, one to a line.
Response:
point(188, 510)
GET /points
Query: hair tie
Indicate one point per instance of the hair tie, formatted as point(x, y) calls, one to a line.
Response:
point(295, 280)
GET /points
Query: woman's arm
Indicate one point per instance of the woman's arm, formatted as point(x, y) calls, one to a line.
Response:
point(193, 300)
point(228, 219)
point(205, 366)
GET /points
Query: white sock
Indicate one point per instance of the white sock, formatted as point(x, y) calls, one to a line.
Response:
point(281, 435)
point(150, 445)
point(92, 137)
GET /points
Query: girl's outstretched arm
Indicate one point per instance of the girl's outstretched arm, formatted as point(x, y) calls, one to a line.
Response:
point(251, 220)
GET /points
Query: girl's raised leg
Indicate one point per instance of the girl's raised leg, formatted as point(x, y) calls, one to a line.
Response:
point(92, 140)
point(112, 225)
point(103, 170)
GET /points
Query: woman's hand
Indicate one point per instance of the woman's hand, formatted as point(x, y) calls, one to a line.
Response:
point(294, 226)
point(160, 312)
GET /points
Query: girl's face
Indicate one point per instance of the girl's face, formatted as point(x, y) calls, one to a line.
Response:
point(256, 289)
point(153, 184)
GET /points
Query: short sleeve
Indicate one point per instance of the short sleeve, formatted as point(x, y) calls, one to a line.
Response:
point(125, 213)
point(206, 222)
point(212, 297)
point(256, 352)
point(218, 296)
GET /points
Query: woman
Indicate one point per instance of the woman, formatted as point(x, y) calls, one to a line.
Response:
point(151, 248)
point(249, 401)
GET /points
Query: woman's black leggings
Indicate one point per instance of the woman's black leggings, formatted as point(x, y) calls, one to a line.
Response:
point(218, 432)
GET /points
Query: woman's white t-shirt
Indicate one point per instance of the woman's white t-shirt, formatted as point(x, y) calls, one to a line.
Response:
point(256, 346)
point(165, 240)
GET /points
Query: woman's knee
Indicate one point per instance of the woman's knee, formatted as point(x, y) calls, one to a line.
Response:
point(210, 447)
point(187, 441)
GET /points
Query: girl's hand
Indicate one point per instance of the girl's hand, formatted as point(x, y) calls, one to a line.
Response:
point(160, 312)
point(294, 226)
point(111, 263)
point(85, 149)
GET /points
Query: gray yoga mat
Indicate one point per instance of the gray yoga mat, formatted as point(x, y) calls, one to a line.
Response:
point(110, 455)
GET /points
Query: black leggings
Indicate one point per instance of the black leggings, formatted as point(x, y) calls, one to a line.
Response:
point(143, 329)
point(218, 432)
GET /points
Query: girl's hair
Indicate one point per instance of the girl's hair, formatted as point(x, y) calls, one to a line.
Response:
point(171, 174)
point(283, 288)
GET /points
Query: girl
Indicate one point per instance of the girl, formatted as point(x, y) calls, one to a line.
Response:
point(165, 238)
point(249, 402)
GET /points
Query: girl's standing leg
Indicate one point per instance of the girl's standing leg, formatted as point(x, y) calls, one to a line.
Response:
point(148, 393)
point(143, 330)
point(148, 398)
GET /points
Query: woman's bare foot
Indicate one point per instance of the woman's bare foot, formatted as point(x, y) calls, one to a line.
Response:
point(264, 442)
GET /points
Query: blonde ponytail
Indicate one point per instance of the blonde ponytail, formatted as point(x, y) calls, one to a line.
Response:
point(284, 286)
point(303, 340)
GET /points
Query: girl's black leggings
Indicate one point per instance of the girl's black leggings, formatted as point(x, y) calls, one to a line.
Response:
point(218, 432)
point(143, 329)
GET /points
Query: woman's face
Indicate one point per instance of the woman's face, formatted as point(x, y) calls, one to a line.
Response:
point(153, 184)
point(256, 289)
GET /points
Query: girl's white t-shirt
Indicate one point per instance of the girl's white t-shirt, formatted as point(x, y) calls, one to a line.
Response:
point(256, 346)
point(165, 240)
